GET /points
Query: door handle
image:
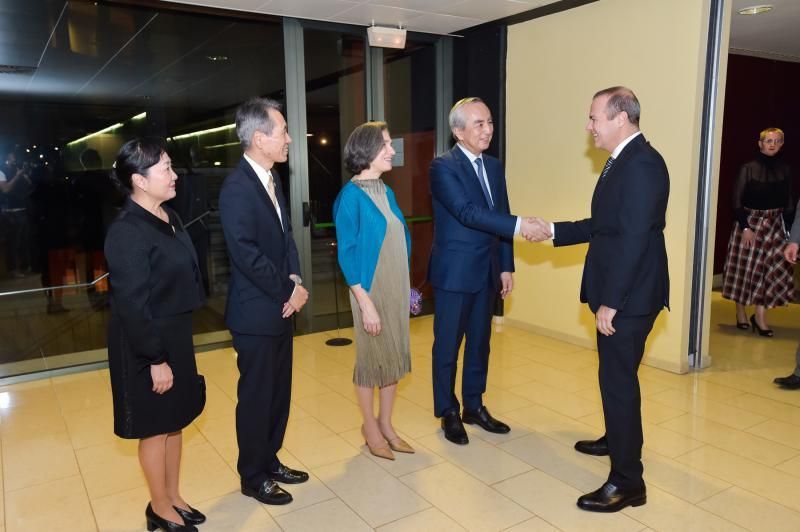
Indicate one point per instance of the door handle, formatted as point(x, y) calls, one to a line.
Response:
point(306, 214)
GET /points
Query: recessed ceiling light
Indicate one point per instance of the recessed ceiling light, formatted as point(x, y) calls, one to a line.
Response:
point(755, 10)
point(217, 58)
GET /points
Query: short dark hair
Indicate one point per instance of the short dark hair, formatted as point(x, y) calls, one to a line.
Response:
point(252, 116)
point(363, 146)
point(136, 156)
point(621, 99)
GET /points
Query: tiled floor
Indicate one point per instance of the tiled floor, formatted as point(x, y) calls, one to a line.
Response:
point(722, 448)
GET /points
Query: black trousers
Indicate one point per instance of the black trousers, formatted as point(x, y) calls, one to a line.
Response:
point(620, 355)
point(264, 393)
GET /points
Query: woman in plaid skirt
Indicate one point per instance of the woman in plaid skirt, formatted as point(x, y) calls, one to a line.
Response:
point(756, 273)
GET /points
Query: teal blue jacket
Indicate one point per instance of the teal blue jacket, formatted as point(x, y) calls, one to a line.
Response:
point(360, 230)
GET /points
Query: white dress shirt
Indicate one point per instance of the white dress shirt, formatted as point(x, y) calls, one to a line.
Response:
point(264, 176)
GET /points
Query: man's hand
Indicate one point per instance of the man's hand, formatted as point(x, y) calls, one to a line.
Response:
point(296, 302)
point(162, 377)
point(535, 229)
point(790, 252)
point(507, 284)
point(748, 238)
point(370, 317)
point(603, 319)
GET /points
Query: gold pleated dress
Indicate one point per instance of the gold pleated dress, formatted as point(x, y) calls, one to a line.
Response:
point(382, 360)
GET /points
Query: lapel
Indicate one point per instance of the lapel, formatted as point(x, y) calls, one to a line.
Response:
point(468, 170)
point(261, 192)
point(619, 162)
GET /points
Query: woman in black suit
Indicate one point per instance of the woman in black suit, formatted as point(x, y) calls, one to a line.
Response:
point(155, 285)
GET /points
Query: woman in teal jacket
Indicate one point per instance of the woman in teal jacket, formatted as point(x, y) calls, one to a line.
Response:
point(374, 249)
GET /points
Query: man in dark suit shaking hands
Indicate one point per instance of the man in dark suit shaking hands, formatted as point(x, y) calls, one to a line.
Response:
point(471, 260)
point(265, 289)
point(625, 283)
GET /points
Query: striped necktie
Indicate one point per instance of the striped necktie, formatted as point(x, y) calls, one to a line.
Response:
point(606, 168)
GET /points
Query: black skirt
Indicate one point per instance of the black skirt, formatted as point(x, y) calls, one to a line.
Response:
point(139, 412)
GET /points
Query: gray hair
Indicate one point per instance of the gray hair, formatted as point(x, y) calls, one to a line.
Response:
point(456, 118)
point(252, 116)
point(621, 99)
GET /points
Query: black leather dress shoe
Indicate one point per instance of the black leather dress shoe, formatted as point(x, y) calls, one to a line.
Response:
point(287, 475)
point(156, 522)
point(454, 429)
point(610, 498)
point(598, 447)
point(484, 419)
point(792, 382)
point(191, 516)
point(268, 493)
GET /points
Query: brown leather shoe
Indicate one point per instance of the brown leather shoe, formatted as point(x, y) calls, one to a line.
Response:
point(381, 451)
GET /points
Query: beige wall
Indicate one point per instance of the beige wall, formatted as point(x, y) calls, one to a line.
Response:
point(555, 64)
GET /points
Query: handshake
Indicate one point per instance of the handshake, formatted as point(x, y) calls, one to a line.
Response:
point(534, 229)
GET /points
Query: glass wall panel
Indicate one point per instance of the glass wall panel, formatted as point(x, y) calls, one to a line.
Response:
point(335, 105)
point(409, 83)
point(78, 80)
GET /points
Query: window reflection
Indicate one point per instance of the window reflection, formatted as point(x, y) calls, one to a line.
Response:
point(89, 78)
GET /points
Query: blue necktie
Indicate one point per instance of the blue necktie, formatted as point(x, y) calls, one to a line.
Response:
point(479, 164)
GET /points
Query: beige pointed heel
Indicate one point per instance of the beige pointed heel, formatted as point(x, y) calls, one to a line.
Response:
point(381, 452)
point(399, 445)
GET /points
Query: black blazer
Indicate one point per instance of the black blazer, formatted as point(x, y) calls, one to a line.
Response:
point(153, 275)
point(262, 253)
point(472, 244)
point(626, 265)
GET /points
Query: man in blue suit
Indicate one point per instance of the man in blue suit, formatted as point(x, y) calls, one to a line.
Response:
point(264, 291)
point(472, 258)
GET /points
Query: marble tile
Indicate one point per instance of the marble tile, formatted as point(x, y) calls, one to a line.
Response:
point(110, 468)
point(554, 501)
point(582, 472)
point(404, 463)
point(736, 441)
point(375, 495)
point(770, 483)
point(707, 408)
point(333, 410)
point(471, 503)
point(237, 512)
point(205, 474)
point(556, 399)
point(221, 433)
point(553, 424)
point(36, 460)
point(124, 511)
point(536, 524)
point(430, 520)
point(90, 426)
point(679, 479)
point(665, 512)
point(316, 445)
point(331, 516)
point(82, 391)
point(58, 505)
point(484, 461)
point(752, 511)
point(778, 431)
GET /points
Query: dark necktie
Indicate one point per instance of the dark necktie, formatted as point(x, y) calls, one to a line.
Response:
point(479, 164)
point(606, 168)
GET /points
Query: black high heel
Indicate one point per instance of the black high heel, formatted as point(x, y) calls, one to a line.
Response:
point(743, 325)
point(155, 521)
point(191, 516)
point(762, 332)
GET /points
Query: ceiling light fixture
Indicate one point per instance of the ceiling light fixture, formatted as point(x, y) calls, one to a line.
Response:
point(217, 58)
point(383, 37)
point(755, 10)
